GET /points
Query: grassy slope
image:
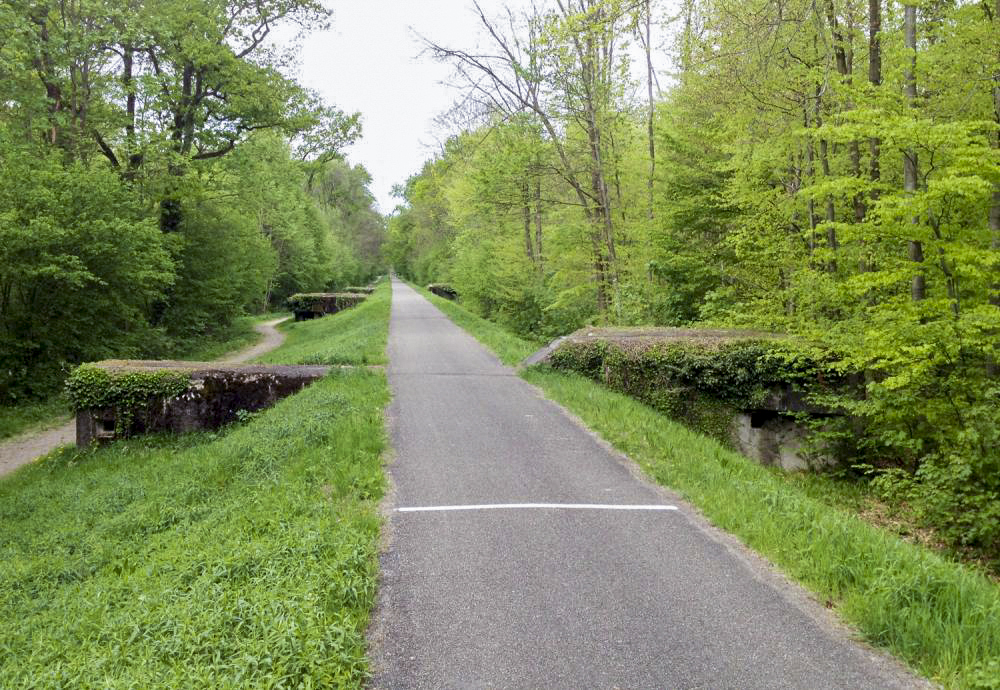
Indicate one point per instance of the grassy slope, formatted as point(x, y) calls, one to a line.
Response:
point(941, 617)
point(239, 337)
point(240, 558)
point(355, 336)
point(42, 414)
point(32, 416)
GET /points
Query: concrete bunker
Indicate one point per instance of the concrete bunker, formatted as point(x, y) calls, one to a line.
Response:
point(443, 290)
point(313, 305)
point(724, 383)
point(121, 398)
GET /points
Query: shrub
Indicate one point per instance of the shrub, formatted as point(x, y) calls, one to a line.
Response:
point(131, 394)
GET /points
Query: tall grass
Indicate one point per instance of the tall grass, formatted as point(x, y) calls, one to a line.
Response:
point(941, 617)
point(355, 336)
point(244, 558)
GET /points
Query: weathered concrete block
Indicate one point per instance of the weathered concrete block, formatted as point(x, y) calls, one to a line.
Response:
point(360, 290)
point(311, 305)
point(724, 383)
point(216, 394)
point(443, 290)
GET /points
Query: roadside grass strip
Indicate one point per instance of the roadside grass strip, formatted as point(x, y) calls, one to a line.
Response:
point(244, 558)
point(941, 617)
point(355, 336)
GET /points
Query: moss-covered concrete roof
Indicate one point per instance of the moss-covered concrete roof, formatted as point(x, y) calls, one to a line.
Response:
point(198, 370)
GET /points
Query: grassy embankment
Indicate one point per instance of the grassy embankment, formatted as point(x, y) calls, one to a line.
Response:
point(38, 415)
point(941, 617)
point(240, 558)
point(355, 337)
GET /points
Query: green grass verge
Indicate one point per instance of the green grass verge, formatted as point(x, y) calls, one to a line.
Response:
point(355, 336)
point(245, 557)
point(509, 348)
point(32, 416)
point(941, 617)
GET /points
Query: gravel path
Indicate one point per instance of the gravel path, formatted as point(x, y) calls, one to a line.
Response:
point(522, 552)
point(21, 450)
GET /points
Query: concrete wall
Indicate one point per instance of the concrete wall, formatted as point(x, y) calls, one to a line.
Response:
point(218, 393)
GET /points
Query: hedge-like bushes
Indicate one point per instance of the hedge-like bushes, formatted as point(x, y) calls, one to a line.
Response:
point(131, 394)
point(702, 384)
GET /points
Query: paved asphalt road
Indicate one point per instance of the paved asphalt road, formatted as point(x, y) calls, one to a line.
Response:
point(558, 597)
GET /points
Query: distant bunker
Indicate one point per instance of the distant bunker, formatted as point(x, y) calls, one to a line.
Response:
point(121, 398)
point(443, 290)
point(312, 305)
point(360, 290)
point(739, 387)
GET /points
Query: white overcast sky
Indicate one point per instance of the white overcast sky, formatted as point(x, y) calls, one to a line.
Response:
point(370, 61)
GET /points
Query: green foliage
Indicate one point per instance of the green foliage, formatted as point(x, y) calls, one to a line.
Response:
point(149, 195)
point(131, 394)
point(79, 264)
point(245, 558)
point(765, 189)
point(699, 384)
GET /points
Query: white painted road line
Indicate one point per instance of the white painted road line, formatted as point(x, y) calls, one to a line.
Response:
point(521, 506)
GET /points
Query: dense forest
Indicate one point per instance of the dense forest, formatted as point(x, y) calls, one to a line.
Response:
point(161, 175)
point(829, 170)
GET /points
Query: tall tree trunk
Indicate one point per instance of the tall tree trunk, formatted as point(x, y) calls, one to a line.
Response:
point(652, 107)
point(875, 80)
point(831, 215)
point(915, 250)
point(538, 225)
point(529, 245)
point(995, 206)
point(845, 68)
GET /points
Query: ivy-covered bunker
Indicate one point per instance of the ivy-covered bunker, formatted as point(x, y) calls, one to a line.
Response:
point(757, 392)
point(120, 398)
point(313, 305)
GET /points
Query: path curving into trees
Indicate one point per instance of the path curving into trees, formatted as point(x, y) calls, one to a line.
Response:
point(28, 447)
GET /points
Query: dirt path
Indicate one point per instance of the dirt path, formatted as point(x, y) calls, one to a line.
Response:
point(272, 339)
point(21, 450)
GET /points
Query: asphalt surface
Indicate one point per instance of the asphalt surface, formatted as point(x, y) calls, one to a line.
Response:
point(556, 597)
